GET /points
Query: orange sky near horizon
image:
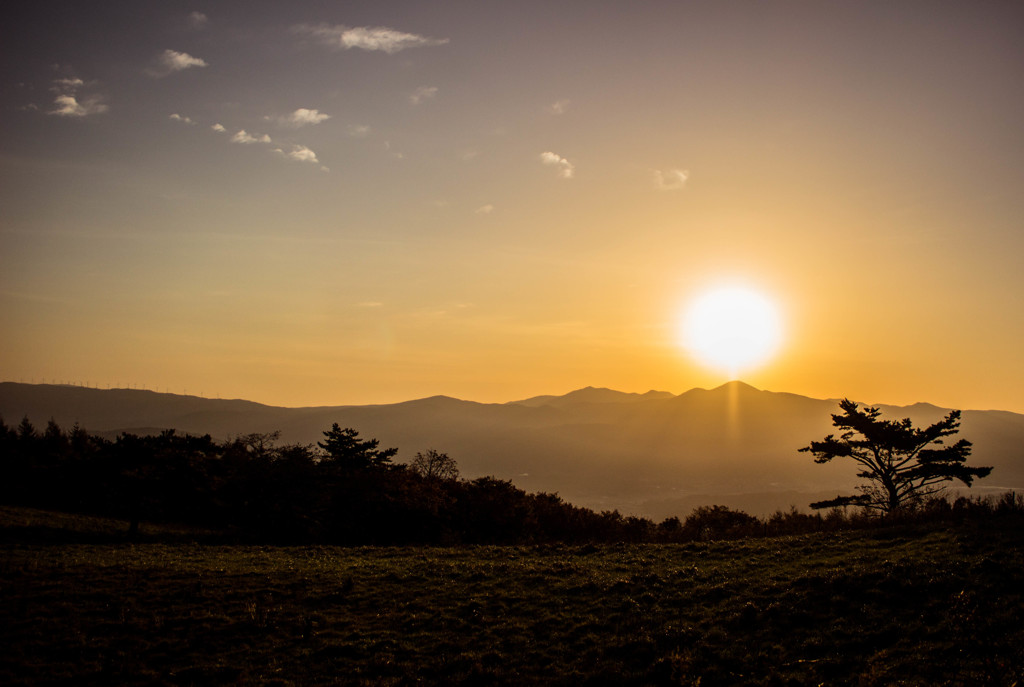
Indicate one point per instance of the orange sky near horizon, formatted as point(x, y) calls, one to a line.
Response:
point(376, 202)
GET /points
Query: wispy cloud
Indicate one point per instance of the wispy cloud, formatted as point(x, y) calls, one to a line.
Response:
point(559, 107)
point(484, 209)
point(566, 169)
point(218, 127)
point(423, 93)
point(358, 130)
point(179, 118)
point(171, 61)
point(670, 180)
point(69, 103)
point(382, 38)
point(69, 106)
point(66, 84)
point(303, 116)
point(198, 20)
point(245, 137)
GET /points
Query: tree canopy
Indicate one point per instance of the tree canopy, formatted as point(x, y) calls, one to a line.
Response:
point(902, 463)
point(344, 449)
point(434, 464)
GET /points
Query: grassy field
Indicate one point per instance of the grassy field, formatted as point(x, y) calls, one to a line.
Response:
point(882, 607)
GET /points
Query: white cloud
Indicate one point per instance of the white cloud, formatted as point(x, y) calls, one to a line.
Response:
point(69, 106)
point(423, 93)
point(484, 209)
point(245, 137)
point(173, 61)
point(368, 38)
point(566, 169)
point(358, 130)
point(178, 118)
point(198, 20)
point(670, 180)
point(68, 103)
point(302, 117)
point(559, 107)
point(218, 127)
point(301, 153)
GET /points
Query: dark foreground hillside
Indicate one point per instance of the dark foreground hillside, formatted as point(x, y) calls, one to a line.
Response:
point(876, 607)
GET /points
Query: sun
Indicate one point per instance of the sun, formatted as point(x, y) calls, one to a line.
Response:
point(731, 328)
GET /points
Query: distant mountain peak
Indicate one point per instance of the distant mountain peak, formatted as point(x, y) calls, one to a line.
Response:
point(732, 387)
point(593, 394)
point(438, 400)
point(736, 384)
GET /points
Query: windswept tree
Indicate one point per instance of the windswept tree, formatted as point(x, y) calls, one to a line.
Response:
point(344, 449)
point(434, 464)
point(902, 463)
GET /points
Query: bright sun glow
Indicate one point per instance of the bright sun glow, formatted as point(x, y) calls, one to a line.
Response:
point(732, 329)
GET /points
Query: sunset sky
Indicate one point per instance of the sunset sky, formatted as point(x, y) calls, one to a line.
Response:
point(313, 203)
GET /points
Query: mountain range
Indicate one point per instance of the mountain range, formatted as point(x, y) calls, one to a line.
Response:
point(654, 454)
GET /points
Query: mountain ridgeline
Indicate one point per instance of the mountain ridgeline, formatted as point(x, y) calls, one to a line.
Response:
point(653, 454)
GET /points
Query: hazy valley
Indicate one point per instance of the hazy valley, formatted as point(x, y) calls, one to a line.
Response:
point(653, 454)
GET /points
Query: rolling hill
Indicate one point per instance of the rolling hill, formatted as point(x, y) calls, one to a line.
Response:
point(653, 454)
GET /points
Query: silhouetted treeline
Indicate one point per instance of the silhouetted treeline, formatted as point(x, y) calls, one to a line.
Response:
point(344, 490)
